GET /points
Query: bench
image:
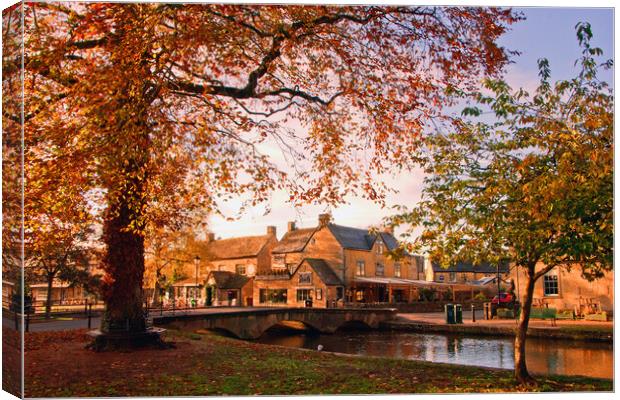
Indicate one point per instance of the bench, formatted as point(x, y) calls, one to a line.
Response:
point(565, 314)
point(602, 316)
point(544, 313)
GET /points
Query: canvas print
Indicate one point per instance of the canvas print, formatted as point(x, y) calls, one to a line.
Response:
point(291, 199)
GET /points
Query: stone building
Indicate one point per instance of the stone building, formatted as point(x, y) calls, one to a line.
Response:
point(362, 267)
point(226, 270)
point(246, 255)
point(568, 290)
point(466, 272)
point(226, 288)
point(312, 280)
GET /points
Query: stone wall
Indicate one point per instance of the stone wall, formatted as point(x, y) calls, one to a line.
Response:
point(572, 287)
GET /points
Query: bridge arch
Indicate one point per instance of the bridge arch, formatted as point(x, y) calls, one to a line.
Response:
point(355, 324)
point(252, 323)
point(290, 323)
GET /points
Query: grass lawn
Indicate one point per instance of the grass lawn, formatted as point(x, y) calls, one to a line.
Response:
point(206, 364)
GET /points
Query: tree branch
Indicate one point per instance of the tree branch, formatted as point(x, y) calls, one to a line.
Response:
point(543, 271)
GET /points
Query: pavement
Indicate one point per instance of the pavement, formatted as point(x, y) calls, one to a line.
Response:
point(440, 319)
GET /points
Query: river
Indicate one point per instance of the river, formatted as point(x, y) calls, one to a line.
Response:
point(561, 357)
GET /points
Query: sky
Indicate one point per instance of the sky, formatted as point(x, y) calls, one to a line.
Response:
point(546, 32)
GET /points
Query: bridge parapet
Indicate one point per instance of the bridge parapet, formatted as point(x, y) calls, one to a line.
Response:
point(251, 323)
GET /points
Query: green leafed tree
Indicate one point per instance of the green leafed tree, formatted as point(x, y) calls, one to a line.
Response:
point(530, 180)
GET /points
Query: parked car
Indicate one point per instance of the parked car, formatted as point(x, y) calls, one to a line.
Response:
point(503, 299)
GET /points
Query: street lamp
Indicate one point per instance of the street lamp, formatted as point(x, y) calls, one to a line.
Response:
point(196, 264)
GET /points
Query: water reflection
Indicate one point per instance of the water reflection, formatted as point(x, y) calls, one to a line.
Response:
point(543, 356)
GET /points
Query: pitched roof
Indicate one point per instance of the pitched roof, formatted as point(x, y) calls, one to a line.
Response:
point(323, 270)
point(348, 237)
point(465, 266)
point(360, 239)
point(228, 280)
point(238, 247)
point(191, 281)
point(294, 241)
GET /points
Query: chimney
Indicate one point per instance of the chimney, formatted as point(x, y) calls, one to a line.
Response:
point(271, 230)
point(210, 237)
point(324, 219)
point(290, 226)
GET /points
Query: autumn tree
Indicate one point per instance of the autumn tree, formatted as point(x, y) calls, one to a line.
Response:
point(165, 107)
point(66, 258)
point(167, 251)
point(59, 236)
point(11, 149)
point(534, 185)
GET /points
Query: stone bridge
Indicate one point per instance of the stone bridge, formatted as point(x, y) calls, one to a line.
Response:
point(251, 323)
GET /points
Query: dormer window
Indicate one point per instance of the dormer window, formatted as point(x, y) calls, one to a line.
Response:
point(380, 247)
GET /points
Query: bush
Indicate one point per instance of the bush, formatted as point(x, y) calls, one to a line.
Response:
point(480, 297)
point(428, 294)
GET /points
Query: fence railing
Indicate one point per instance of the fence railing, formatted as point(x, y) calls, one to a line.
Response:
point(37, 312)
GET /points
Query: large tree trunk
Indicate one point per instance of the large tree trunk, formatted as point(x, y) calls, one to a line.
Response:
point(48, 299)
point(124, 262)
point(521, 373)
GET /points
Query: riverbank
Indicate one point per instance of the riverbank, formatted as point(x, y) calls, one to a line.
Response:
point(57, 365)
point(592, 331)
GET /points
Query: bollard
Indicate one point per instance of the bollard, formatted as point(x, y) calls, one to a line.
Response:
point(473, 313)
point(90, 309)
point(16, 321)
point(161, 307)
point(28, 322)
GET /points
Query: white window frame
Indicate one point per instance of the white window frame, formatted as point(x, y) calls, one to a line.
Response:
point(551, 274)
point(360, 271)
point(306, 291)
point(379, 247)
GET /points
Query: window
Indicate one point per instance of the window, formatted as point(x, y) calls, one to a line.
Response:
point(304, 294)
point(379, 247)
point(550, 284)
point(272, 296)
point(194, 293)
point(452, 276)
point(240, 269)
point(221, 267)
point(379, 270)
point(291, 267)
point(361, 268)
point(441, 278)
point(305, 277)
point(339, 292)
point(319, 294)
point(397, 270)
